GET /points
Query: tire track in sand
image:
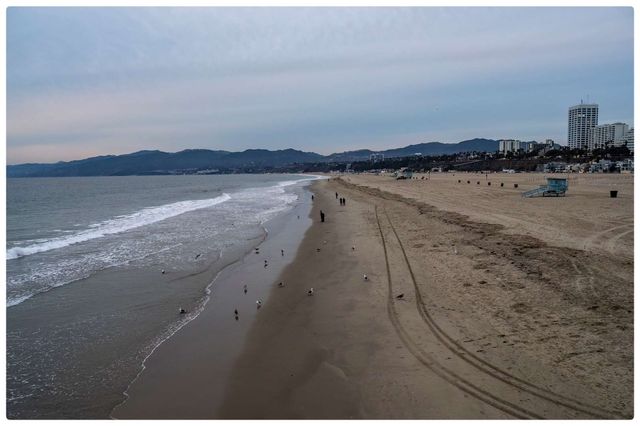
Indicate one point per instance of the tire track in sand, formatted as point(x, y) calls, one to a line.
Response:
point(430, 362)
point(493, 371)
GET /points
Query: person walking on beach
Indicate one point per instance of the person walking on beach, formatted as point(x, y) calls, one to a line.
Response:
point(321, 216)
point(344, 201)
point(336, 195)
point(311, 197)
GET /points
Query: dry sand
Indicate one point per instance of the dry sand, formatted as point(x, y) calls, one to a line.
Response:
point(511, 307)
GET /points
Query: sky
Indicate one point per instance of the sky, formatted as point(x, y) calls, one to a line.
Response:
point(83, 82)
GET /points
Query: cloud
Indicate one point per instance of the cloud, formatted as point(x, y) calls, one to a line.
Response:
point(274, 78)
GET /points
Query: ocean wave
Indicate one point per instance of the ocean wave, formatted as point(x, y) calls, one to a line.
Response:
point(119, 224)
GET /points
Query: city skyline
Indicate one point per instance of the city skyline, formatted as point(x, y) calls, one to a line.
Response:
point(83, 82)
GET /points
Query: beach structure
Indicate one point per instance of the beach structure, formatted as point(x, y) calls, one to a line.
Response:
point(554, 186)
point(404, 173)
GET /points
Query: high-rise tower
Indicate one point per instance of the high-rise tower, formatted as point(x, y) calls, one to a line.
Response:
point(582, 118)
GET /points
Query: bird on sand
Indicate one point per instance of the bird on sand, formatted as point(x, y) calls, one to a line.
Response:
point(400, 296)
point(258, 304)
point(198, 255)
point(163, 271)
point(281, 284)
point(310, 291)
point(235, 312)
point(245, 289)
point(365, 277)
point(183, 311)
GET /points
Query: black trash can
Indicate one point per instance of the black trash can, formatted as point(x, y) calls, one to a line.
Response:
point(613, 194)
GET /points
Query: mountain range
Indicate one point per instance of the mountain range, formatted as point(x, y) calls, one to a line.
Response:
point(204, 160)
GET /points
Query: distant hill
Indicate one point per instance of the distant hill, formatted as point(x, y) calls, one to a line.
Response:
point(193, 160)
point(429, 148)
point(158, 162)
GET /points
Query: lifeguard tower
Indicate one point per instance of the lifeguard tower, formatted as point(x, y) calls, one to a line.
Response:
point(554, 186)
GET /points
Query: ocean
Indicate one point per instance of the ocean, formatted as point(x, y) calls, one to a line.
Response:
point(98, 268)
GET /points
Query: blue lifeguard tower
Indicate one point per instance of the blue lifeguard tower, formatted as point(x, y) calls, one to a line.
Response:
point(554, 186)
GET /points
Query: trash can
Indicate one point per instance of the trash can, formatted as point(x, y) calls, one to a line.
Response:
point(613, 194)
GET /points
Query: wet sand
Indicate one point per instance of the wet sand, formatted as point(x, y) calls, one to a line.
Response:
point(185, 376)
point(460, 317)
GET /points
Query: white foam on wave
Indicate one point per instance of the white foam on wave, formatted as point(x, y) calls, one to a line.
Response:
point(119, 224)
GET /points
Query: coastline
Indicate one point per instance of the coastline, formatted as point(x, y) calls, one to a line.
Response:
point(457, 319)
point(458, 344)
point(195, 360)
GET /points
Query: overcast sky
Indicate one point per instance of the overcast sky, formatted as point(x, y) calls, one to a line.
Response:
point(92, 81)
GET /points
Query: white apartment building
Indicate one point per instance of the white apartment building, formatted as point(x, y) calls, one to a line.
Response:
point(614, 134)
point(582, 118)
point(514, 145)
point(628, 139)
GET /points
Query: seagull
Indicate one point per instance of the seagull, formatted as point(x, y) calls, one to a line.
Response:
point(400, 296)
point(366, 278)
point(455, 250)
point(353, 248)
point(245, 289)
point(310, 291)
point(281, 284)
point(318, 249)
point(236, 318)
point(183, 311)
point(235, 312)
point(258, 303)
point(198, 255)
point(282, 252)
point(163, 271)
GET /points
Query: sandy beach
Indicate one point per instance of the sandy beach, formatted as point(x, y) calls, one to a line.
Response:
point(478, 304)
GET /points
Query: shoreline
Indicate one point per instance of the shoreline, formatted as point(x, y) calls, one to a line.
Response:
point(94, 335)
point(144, 396)
point(457, 319)
point(419, 340)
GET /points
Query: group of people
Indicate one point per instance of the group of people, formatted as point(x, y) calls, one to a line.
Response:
point(343, 202)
